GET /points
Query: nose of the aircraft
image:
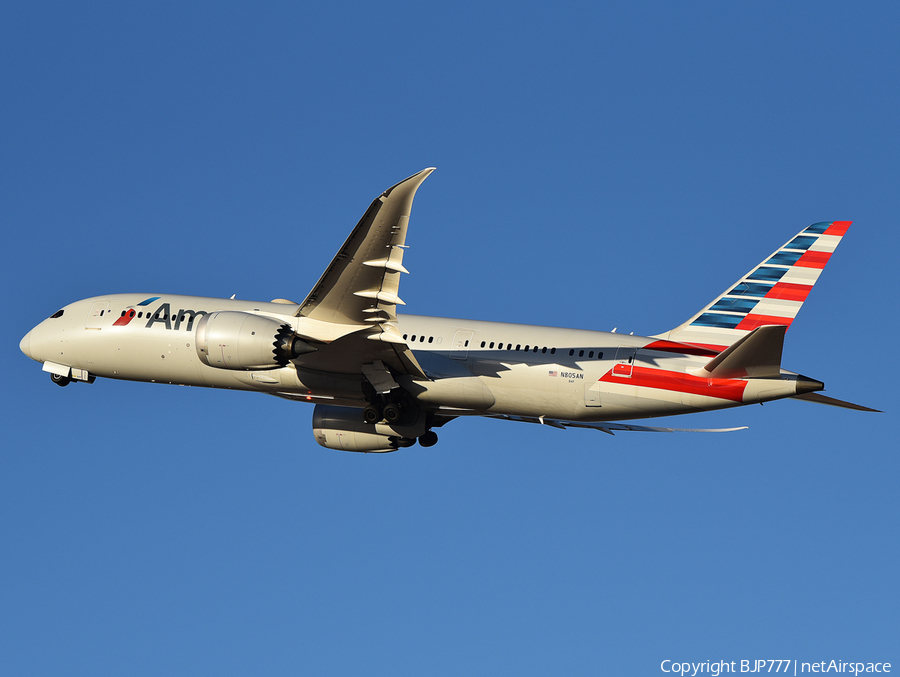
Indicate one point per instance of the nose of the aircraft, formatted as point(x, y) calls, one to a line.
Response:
point(25, 345)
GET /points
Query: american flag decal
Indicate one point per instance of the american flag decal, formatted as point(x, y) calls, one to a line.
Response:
point(553, 373)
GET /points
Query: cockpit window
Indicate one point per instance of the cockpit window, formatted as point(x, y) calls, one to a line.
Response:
point(58, 313)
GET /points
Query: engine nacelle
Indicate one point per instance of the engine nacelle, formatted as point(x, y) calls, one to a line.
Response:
point(343, 428)
point(230, 339)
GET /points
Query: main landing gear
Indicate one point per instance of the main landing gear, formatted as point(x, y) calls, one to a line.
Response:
point(372, 414)
point(393, 412)
point(429, 439)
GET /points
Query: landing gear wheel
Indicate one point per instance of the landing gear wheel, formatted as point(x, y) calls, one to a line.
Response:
point(429, 439)
point(392, 412)
point(371, 414)
point(60, 380)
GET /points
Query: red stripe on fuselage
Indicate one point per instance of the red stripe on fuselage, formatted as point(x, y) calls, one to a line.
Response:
point(644, 377)
point(682, 348)
point(813, 260)
point(789, 291)
point(837, 228)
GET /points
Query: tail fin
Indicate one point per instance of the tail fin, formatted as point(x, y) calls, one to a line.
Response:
point(770, 294)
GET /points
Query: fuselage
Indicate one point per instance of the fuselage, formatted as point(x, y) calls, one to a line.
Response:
point(473, 367)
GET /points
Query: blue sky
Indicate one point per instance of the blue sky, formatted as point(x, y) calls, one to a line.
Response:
point(598, 166)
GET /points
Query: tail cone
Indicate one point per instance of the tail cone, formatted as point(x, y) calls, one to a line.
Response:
point(808, 385)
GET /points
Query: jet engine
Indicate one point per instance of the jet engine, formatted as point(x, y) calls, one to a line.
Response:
point(231, 339)
point(343, 428)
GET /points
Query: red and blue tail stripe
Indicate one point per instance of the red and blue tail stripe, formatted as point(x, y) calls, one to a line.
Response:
point(770, 294)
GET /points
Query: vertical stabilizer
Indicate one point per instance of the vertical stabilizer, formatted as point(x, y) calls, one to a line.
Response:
point(770, 294)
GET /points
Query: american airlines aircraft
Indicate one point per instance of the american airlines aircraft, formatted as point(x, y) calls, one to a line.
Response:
point(381, 381)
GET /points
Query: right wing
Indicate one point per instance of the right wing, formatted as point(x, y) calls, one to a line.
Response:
point(608, 427)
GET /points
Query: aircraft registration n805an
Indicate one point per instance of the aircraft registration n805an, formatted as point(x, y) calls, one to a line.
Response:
point(381, 381)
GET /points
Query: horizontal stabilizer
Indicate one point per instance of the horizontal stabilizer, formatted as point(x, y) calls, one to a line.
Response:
point(756, 355)
point(822, 399)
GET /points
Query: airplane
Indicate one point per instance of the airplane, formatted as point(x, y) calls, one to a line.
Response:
point(381, 381)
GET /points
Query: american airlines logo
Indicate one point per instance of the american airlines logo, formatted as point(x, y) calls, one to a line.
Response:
point(163, 315)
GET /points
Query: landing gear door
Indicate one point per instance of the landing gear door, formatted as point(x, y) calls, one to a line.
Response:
point(96, 315)
point(624, 362)
point(459, 347)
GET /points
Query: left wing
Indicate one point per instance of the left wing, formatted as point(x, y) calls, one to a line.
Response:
point(361, 283)
point(360, 288)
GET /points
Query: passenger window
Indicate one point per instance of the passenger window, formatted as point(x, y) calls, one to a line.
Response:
point(526, 349)
point(422, 338)
point(492, 344)
point(580, 353)
point(535, 349)
point(430, 339)
point(553, 351)
point(544, 349)
point(518, 346)
point(413, 337)
point(599, 356)
point(482, 344)
point(571, 352)
point(591, 354)
point(404, 336)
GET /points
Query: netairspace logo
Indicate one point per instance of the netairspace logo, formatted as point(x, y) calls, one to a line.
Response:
point(716, 668)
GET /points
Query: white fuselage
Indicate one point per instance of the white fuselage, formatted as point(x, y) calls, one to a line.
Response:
point(474, 367)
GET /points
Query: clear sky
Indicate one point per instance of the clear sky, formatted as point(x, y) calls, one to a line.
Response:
point(598, 166)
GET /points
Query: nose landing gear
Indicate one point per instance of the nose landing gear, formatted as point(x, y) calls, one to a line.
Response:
point(60, 380)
